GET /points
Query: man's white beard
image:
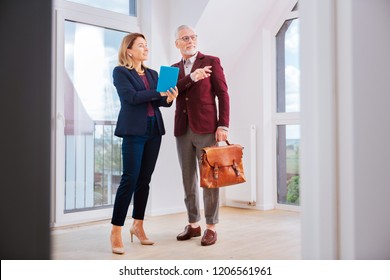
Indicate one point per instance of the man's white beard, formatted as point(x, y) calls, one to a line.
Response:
point(190, 52)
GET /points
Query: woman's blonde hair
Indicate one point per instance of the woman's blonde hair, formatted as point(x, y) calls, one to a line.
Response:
point(127, 43)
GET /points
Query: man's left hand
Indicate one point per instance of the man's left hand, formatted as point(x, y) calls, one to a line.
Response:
point(221, 134)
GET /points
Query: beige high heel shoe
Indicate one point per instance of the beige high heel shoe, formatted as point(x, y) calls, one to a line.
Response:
point(116, 250)
point(133, 231)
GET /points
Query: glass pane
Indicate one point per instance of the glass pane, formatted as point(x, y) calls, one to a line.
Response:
point(127, 7)
point(288, 142)
point(288, 69)
point(92, 152)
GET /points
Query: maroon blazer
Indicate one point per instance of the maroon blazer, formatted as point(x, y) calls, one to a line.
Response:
point(196, 103)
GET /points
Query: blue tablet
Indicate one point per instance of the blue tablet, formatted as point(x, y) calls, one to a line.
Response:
point(167, 78)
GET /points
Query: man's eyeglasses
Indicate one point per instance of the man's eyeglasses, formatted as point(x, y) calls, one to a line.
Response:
point(187, 38)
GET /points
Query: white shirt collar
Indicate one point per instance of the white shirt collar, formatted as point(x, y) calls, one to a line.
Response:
point(192, 58)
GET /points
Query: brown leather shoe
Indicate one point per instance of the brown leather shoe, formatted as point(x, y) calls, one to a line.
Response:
point(209, 237)
point(188, 233)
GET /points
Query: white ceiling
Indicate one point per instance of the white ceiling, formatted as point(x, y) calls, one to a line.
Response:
point(226, 27)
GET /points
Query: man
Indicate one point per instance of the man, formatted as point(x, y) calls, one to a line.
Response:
point(199, 122)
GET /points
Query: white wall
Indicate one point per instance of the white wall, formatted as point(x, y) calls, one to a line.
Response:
point(371, 76)
point(345, 159)
point(318, 130)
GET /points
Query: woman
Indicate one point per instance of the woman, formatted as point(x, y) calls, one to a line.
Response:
point(141, 126)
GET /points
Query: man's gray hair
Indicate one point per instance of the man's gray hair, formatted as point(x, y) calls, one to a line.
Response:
point(181, 27)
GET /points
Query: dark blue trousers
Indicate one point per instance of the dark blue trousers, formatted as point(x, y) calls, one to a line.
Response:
point(139, 156)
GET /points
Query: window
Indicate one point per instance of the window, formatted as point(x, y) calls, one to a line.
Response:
point(92, 153)
point(287, 108)
point(288, 140)
point(287, 44)
point(87, 154)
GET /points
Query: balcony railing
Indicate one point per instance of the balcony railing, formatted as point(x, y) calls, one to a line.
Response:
point(93, 168)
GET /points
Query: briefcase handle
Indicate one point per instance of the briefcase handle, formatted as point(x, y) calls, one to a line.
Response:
point(226, 141)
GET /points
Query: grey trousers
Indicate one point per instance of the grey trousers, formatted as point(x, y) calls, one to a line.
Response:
point(189, 149)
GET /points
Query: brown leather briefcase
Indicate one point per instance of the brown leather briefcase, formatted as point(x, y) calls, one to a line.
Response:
point(221, 166)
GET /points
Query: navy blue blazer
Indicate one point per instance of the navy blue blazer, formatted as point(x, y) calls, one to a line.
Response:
point(134, 97)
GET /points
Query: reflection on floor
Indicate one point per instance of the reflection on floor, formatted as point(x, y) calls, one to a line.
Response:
point(242, 234)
